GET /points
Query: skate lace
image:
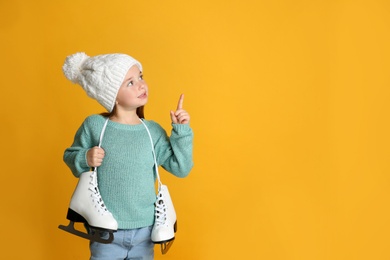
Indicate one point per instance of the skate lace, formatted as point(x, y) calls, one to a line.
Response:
point(160, 210)
point(97, 198)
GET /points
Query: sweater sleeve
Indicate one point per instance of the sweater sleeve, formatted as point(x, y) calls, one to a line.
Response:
point(174, 153)
point(75, 156)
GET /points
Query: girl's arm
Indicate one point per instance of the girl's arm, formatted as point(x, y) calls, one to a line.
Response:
point(176, 151)
point(76, 155)
point(174, 154)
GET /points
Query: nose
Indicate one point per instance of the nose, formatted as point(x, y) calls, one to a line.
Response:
point(141, 84)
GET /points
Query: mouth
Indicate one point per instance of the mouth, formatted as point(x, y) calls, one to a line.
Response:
point(142, 96)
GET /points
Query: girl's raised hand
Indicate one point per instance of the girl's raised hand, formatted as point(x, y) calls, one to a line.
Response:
point(180, 116)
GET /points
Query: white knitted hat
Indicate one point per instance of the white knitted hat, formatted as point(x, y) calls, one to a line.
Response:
point(100, 76)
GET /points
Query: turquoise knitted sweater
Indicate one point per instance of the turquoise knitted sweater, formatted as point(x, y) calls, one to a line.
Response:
point(126, 177)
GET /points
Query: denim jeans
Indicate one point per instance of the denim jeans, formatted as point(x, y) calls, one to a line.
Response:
point(127, 244)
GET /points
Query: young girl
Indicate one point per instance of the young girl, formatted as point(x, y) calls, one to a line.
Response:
point(126, 177)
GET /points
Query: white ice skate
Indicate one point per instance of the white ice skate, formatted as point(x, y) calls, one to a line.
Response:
point(87, 206)
point(165, 223)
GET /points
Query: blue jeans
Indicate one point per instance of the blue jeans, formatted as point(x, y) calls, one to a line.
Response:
point(127, 244)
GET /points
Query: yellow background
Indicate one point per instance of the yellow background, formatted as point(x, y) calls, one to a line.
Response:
point(290, 108)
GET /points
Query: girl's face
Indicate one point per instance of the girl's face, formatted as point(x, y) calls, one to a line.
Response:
point(133, 92)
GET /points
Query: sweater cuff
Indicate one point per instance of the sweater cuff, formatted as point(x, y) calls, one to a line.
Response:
point(83, 159)
point(181, 128)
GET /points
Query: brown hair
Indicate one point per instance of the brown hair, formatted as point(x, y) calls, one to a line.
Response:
point(140, 112)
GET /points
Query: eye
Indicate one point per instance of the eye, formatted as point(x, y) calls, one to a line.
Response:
point(130, 83)
point(141, 77)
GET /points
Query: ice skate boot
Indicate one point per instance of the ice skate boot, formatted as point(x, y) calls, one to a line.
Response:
point(165, 224)
point(87, 206)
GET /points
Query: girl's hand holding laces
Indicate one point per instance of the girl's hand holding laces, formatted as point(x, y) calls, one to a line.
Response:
point(95, 156)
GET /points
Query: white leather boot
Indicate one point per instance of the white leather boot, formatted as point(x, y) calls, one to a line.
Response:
point(87, 206)
point(165, 224)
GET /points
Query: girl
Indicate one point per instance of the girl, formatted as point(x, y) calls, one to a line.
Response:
point(126, 178)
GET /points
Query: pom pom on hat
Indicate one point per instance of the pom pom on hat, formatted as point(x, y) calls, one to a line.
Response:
point(100, 76)
point(72, 66)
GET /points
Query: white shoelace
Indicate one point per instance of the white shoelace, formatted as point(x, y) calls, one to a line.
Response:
point(161, 210)
point(96, 197)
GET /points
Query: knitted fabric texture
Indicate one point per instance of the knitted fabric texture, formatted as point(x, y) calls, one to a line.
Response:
point(100, 76)
point(126, 177)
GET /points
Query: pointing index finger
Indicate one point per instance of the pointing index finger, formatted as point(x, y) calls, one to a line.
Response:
point(180, 104)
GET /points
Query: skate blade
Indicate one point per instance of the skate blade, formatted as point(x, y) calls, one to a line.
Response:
point(93, 237)
point(165, 246)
